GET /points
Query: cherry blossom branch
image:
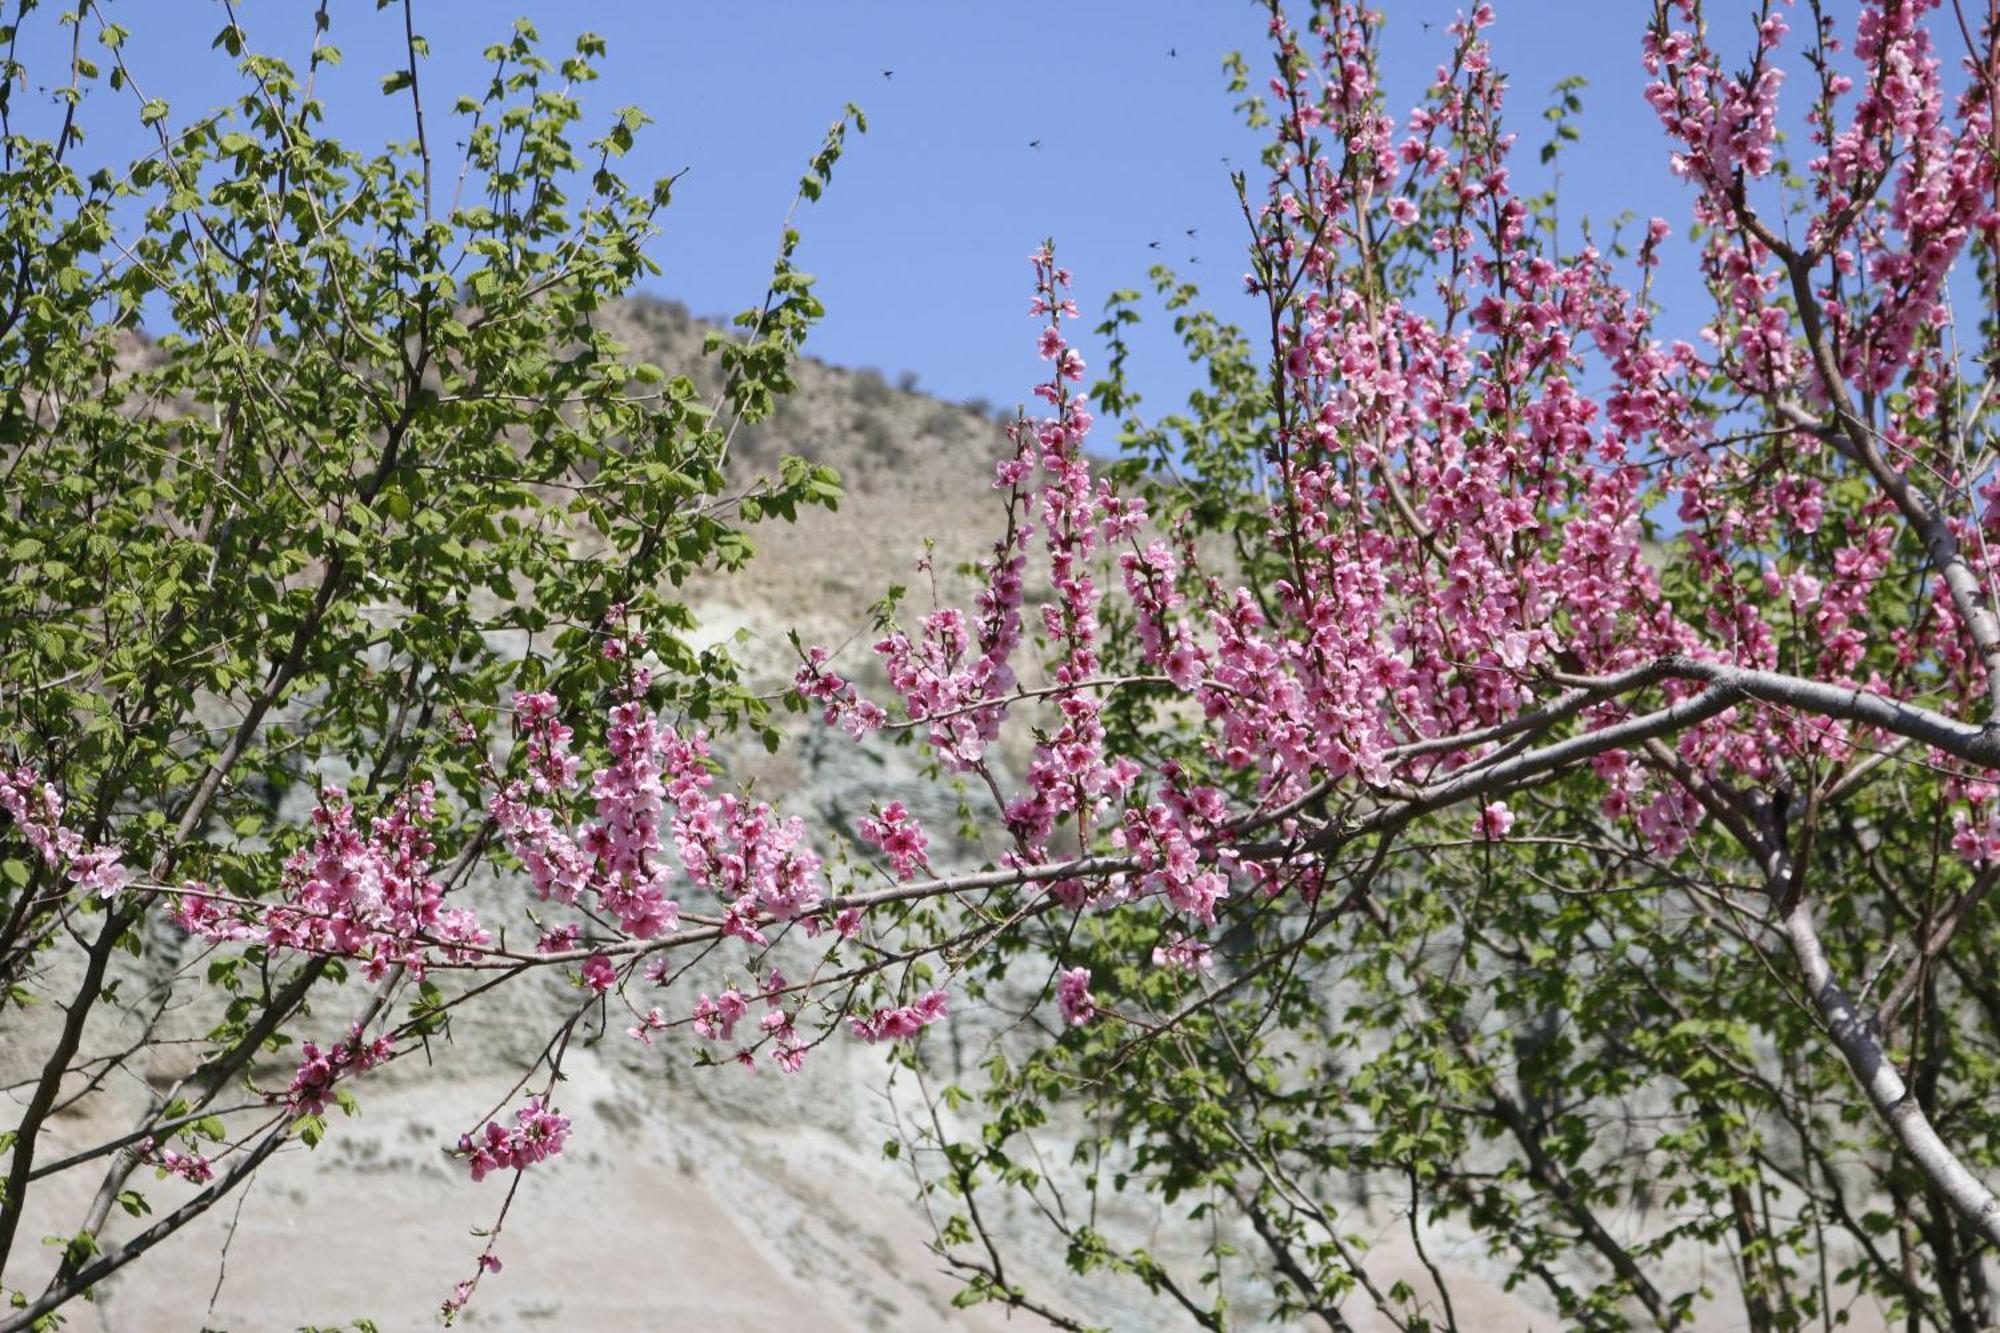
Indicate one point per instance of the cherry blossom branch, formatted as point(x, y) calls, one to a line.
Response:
point(1978, 745)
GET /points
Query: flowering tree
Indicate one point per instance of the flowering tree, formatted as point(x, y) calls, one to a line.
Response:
point(1536, 771)
point(1485, 754)
point(384, 479)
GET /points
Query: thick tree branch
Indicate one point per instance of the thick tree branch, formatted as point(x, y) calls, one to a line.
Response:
point(1854, 1034)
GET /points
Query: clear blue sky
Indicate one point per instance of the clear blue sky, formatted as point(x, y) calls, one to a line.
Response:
point(921, 245)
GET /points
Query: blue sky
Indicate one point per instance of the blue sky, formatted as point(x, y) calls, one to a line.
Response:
point(921, 245)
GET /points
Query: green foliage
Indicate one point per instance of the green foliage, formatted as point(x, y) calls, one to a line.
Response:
point(312, 456)
point(377, 465)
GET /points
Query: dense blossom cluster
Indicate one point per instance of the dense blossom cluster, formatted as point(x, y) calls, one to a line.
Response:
point(1073, 996)
point(844, 704)
point(312, 1082)
point(901, 838)
point(537, 1134)
point(365, 893)
point(618, 860)
point(657, 786)
point(904, 1021)
point(716, 1019)
point(36, 809)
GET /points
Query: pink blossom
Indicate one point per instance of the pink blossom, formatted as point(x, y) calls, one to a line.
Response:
point(371, 894)
point(1073, 996)
point(642, 1032)
point(36, 809)
point(538, 1133)
point(1185, 953)
point(716, 1019)
point(191, 1167)
point(598, 973)
point(312, 1085)
point(905, 1022)
point(899, 836)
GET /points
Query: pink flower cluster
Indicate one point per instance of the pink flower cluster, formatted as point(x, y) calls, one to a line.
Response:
point(618, 859)
point(1070, 777)
point(1976, 835)
point(716, 1020)
point(655, 789)
point(36, 808)
point(955, 682)
point(599, 974)
point(845, 707)
point(1186, 953)
point(1073, 996)
point(958, 675)
point(1169, 862)
point(1495, 821)
point(1728, 122)
point(901, 838)
point(370, 894)
point(192, 1167)
point(1976, 827)
point(537, 1134)
point(312, 1082)
point(906, 1021)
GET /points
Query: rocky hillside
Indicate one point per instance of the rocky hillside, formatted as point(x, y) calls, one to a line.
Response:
point(916, 470)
